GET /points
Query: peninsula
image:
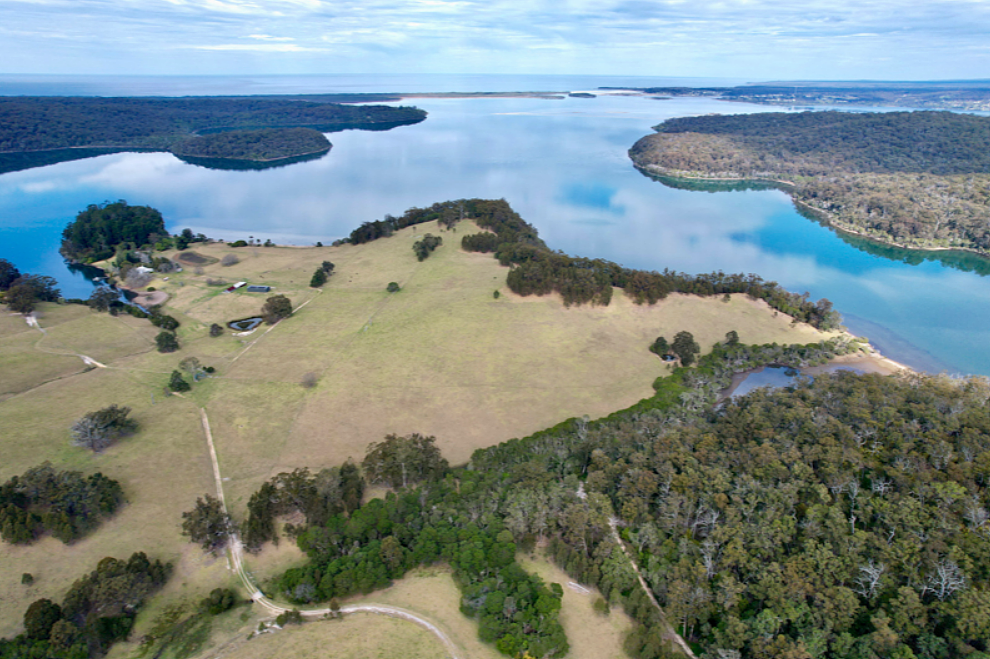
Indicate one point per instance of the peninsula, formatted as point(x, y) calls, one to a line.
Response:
point(918, 180)
point(37, 131)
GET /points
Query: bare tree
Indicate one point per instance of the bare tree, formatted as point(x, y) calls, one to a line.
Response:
point(868, 581)
point(309, 380)
point(229, 259)
point(98, 430)
point(946, 580)
point(137, 279)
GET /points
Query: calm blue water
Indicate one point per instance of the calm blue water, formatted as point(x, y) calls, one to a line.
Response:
point(563, 165)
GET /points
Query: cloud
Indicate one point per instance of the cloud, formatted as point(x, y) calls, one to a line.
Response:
point(757, 38)
point(268, 37)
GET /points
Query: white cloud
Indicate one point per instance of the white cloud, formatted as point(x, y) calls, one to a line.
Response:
point(750, 38)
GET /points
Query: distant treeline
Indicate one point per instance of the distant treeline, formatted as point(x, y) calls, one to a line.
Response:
point(921, 179)
point(536, 270)
point(62, 126)
point(813, 143)
point(64, 503)
point(35, 123)
point(264, 144)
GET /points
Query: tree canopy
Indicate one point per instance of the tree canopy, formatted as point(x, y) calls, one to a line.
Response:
point(97, 231)
point(399, 462)
point(64, 503)
point(918, 179)
point(98, 430)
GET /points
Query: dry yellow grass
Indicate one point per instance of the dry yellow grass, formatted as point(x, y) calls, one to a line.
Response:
point(358, 636)
point(441, 357)
point(591, 635)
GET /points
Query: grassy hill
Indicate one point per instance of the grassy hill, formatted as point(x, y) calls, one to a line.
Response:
point(443, 356)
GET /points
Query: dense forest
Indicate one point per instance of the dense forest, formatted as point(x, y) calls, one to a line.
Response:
point(63, 503)
point(97, 231)
point(536, 270)
point(264, 144)
point(971, 95)
point(918, 179)
point(61, 126)
point(98, 611)
point(845, 516)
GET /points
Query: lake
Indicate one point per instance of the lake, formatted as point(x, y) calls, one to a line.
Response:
point(562, 164)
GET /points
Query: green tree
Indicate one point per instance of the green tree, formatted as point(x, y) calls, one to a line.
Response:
point(40, 617)
point(28, 290)
point(101, 298)
point(685, 347)
point(276, 308)
point(177, 383)
point(399, 462)
point(8, 274)
point(660, 346)
point(207, 524)
point(319, 278)
point(393, 287)
point(166, 342)
point(327, 267)
point(216, 330)
point(219, 600)
point(98, 430)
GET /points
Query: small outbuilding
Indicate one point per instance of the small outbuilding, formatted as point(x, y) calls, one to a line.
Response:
point(257, 288)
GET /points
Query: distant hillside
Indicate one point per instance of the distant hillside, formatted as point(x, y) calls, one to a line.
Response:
point(917, 179)
point(41, 130)
point(266, 144)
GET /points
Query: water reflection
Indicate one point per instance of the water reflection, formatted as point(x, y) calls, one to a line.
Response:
point(563, 165)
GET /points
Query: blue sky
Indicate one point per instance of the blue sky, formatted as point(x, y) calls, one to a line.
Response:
point(750, 39)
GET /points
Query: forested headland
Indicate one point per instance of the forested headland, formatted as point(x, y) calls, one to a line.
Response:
point(43, 130)
point(913, 179)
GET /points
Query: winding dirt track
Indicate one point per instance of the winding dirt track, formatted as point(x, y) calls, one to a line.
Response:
point(236, 554)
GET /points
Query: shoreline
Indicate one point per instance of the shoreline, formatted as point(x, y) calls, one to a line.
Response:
point(824, 216)
point(866, 362)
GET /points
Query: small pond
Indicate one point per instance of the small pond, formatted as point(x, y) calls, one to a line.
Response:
point(245, 324)
point(780, 376)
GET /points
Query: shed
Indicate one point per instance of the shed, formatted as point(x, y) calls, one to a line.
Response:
point(254, 288)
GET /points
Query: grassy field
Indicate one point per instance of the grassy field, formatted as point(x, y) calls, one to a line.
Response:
point(440, 357)
point(430, 593)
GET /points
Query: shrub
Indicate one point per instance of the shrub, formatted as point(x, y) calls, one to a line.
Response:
point(293, 617)
point(393, 287)
point(216, 330)
point(276, 308)
point(496, 295)
point(97, 430)
point(219, 600)
point(178, 383)
point(423, 248)
point(165, 322)
point(319, 278)
point(27, 578)
point(166, 342)
point(238, 243)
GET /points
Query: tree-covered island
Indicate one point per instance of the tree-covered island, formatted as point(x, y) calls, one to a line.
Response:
point(264, 145)
point(913, 179)
point(38, 131)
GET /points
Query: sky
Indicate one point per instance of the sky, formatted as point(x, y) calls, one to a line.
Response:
point(750, 39)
